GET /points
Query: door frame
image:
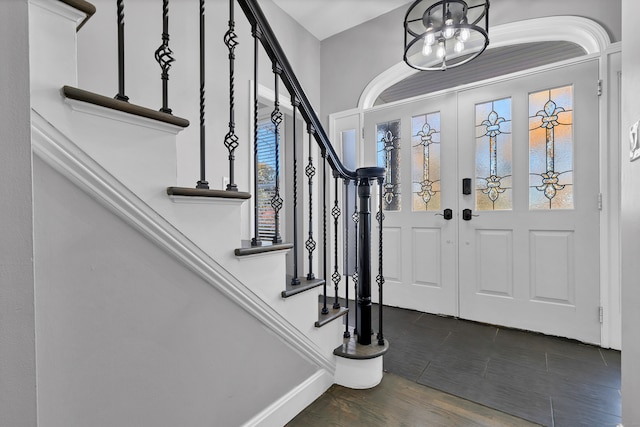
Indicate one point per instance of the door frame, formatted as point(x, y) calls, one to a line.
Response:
point(595, 40)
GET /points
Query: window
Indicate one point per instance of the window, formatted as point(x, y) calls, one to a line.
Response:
point(266, 173)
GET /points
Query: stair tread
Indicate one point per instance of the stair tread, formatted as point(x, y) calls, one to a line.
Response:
point(334, 313)
point(247, 249)
point(205, 192)
point(350, 349)
point(305, 285)
point(115, 104)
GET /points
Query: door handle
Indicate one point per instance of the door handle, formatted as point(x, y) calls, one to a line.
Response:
point(467, 214)
point(447, 214)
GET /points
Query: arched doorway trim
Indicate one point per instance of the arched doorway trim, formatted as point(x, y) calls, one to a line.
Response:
point(582, 31)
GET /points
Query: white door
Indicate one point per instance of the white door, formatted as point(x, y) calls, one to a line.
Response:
point(522, 246)
point(418, 140)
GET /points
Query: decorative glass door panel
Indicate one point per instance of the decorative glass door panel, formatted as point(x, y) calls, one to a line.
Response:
point(425, 162)
point(551, 149)
point(493, 155)
point(388, 146)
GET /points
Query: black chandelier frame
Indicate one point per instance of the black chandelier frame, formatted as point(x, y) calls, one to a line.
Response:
point(479, 25)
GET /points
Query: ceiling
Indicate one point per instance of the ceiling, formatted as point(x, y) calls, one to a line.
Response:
point(324, 18)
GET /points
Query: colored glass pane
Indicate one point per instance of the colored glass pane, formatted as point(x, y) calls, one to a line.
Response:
point(425, 162)
point(388, 149)
point(551, 149)
point(494, 155)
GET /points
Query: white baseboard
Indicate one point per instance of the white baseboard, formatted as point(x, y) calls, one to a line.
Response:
point(288, 406)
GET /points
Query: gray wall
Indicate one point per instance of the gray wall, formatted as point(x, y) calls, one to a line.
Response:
point(630, 220)
point(351, 59)
point(17, 334)
point(127, 336)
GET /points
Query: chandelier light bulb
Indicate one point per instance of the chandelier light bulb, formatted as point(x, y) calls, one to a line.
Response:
point(459, 46)
point(426, 48)
point(440, 52)
point(430, 38)
point(448, 30)
point(464, 32)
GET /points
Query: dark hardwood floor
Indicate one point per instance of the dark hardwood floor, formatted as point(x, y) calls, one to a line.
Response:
point(547, 380)
point(399, 402)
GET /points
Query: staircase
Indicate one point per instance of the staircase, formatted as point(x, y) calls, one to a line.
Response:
point(124, 247)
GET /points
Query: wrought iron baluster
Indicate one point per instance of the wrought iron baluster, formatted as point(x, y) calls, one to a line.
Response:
point(120, 11)
point(355, 218)
point(325, 310)
point(310, 171)
point(231, 139)
point(346, 334)
point(380, 277)
point(256, 209)
point(202, 183)
point(335, 213)
point(164, 56)
point(276, 119)
point(295, 280)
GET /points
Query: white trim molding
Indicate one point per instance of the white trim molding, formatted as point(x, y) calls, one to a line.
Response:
point(582, 31)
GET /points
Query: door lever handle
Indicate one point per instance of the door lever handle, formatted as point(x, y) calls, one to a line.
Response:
point(447, 214)
point(467, 214)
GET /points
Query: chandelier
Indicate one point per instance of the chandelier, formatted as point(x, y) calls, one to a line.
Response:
point(445, 34)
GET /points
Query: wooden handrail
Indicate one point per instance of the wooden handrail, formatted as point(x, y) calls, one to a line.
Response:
point(83, 6)
point(273, 49)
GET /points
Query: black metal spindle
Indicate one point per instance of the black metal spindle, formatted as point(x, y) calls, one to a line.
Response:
point(380, 278)
point(346, 334)
point(355, 217)
point(164, 56)
point(295, 280)
point(120, 11)
point(231, 139)
point(325, 310)
point(335, 213)
point(202, 183)
point(256, 209)
point(276, 119)
point(310, 171)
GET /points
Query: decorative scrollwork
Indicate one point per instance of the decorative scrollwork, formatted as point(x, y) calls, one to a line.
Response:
point(164, 56)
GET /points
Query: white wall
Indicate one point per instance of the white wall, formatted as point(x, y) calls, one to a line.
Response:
point(630, 220)
point(128, 336)
point(17, 334)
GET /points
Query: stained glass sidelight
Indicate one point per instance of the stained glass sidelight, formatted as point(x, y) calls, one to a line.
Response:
point(388, 148)
point(425, 162)
point(551, 149)
point(493, 155)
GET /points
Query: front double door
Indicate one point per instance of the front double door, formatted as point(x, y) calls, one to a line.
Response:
point(491, 202)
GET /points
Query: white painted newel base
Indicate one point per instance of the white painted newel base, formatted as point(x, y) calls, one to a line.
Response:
point(358, 373)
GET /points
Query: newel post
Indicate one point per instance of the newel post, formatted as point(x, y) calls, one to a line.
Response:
point(365, 175)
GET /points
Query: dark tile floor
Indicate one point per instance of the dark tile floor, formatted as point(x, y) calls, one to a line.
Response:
point(551, 381)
